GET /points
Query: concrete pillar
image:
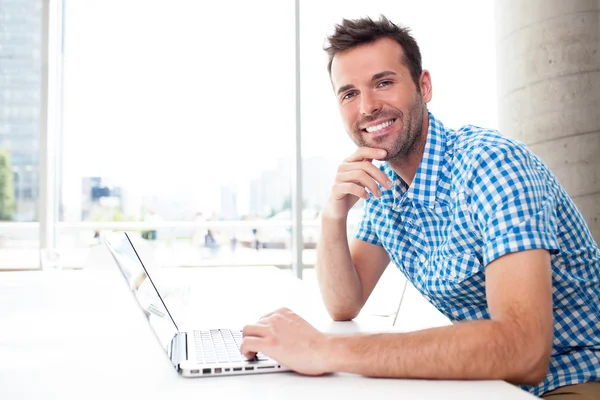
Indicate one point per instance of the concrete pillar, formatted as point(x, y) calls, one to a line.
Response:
point(548, 63)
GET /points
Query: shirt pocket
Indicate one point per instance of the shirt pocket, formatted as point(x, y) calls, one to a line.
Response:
point(459, 235)
point(462, 220)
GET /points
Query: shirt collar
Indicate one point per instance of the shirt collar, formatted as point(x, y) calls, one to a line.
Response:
point(424, 186)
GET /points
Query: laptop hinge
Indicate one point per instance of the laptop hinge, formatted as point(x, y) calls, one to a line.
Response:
point(179, 349)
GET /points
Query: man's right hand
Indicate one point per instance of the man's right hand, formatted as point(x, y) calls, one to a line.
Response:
point(354, 176)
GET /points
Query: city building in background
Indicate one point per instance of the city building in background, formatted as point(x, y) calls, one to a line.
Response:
point(101, 200)
point(20, 98)
point(229, 202)
point(270, 193)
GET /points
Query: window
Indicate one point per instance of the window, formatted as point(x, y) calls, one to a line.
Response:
point(176, 116)
point(169, 111)
point(20, 79)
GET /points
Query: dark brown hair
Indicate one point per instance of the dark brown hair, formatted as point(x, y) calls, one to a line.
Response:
point(354, 32)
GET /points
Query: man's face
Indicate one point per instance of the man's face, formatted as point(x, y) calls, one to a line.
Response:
point(378, 100)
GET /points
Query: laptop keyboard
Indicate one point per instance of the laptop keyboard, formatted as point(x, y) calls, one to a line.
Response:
point(221, 346)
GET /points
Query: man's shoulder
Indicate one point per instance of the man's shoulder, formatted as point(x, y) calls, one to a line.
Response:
point(473, 144)
point(470, 138)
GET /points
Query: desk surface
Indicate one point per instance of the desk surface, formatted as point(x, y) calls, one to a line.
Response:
point(80, 334)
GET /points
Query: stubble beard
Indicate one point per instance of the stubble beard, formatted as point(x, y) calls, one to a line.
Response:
point(406, 138)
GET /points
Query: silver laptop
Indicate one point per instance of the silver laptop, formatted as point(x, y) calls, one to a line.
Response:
point(194, 353)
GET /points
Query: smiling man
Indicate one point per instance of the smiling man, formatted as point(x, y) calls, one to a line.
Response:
point(473, 219)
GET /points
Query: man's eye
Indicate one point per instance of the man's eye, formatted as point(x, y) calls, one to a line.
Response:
point(384, 83)
point(348, 95)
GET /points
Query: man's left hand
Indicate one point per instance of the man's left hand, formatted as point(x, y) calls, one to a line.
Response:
point(289, 339)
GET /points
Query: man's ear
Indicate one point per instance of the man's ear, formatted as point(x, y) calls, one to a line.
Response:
point(425, 85)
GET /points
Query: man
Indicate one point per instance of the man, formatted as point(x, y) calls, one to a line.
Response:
point(474, 220)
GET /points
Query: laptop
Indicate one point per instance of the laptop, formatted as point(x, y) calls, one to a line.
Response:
point(193, 353)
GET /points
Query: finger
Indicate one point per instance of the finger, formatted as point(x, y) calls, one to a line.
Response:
point(258, 330)
point(268, 314)
point(281, 310)
point(340, 190)
point(252, 345)
point(361, 178)
point(366, 153)
point(370, 169)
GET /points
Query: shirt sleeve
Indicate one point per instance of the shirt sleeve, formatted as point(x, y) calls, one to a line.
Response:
point(364, 230)
point(512, 201)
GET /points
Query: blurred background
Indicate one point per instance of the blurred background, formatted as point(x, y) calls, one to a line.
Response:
point(178, 120)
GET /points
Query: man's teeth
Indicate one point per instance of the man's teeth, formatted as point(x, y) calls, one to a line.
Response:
point(375, 128)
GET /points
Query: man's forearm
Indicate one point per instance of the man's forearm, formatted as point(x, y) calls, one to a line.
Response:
point(483, 349)
point(338, 280)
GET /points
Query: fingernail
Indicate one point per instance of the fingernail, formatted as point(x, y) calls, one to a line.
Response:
point(388, 184)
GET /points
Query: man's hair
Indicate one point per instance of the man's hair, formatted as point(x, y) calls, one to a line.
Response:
point(354, 32)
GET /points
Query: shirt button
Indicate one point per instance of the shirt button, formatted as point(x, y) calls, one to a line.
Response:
point(422, 258)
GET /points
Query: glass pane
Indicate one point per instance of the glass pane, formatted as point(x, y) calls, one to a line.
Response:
point(325, 141)
point(457, 45)
point(179, 122)
point(20, 104)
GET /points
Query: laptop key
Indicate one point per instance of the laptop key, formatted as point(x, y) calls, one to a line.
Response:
point(262, 357)
point(222, 346)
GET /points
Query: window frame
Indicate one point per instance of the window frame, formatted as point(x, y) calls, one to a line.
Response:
point(51, 133)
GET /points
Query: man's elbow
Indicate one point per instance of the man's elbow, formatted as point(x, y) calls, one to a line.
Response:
point(343, 314)
point(534, 376)
point(534, 367)
point(342, 310)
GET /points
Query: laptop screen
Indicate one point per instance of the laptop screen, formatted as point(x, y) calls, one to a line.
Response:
point(143, 289)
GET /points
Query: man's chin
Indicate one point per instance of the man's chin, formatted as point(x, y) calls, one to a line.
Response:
point(375, 143)
point(388, 157)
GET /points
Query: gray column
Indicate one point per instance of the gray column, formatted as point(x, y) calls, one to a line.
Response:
point(548, 67)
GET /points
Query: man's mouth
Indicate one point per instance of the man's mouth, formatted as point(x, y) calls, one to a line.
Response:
point(379, 127)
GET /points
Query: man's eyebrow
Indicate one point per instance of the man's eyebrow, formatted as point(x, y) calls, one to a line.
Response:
point(382, 75)
point(344, 88)
point(375, 77)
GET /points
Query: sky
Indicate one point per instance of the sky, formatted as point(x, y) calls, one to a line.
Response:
point(178, 96)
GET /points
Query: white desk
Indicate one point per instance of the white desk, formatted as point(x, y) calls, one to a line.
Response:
point(80, 334)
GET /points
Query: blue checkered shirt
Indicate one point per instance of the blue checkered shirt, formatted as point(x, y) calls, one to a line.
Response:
point(476, 196)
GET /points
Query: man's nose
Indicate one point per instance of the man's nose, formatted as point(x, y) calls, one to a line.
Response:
point(369, 104)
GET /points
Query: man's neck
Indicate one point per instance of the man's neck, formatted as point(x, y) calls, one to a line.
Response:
point(407, 168)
